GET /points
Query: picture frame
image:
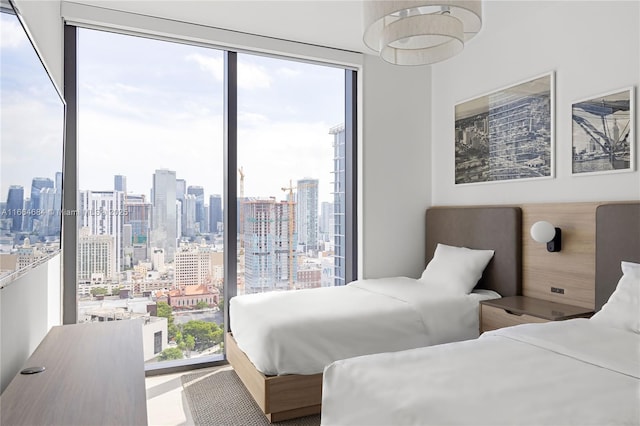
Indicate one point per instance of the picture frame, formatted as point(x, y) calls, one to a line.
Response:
point(603, 133)
point(508, 134)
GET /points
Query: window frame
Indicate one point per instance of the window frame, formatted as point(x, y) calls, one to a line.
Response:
point(69, 231)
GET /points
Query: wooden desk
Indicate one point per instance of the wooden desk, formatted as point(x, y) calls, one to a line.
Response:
point(94, 375)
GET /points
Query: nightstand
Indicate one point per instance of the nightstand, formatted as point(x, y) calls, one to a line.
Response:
point(508, 311)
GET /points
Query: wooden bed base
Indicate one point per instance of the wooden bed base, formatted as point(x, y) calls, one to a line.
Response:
point(279, 397)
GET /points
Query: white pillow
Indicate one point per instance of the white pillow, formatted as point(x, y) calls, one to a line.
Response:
point(622, 310)
point(456, 269)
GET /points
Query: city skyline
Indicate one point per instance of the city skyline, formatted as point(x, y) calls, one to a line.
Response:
point(133, 121)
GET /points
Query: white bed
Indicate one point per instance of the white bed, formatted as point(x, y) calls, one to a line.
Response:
point(534, 374)
point(580, 372)
point(301, 332)
point(280, 343)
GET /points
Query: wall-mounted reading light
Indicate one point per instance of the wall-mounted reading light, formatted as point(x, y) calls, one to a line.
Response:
point(544, 232)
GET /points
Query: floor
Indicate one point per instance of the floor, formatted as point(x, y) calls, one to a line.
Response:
point(166, 402)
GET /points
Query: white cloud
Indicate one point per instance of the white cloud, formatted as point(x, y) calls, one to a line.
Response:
point(11, 34)
point(250, 119)
point(29, 147)
point(112, 145)
point(288, 72)
point(250, 76)
point(213, 65)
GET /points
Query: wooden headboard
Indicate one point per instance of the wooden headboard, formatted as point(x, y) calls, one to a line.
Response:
point(494, 228)
point(617, 239)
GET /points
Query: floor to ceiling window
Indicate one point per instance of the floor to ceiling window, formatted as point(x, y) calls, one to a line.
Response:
point(150, 175)
point(176, 145)
point(31, 143)
point(290, 115)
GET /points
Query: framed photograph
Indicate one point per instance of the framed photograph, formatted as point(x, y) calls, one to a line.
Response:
point(507, 134)
point(603, 133)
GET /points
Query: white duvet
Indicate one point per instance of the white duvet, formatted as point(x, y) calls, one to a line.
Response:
point(302, 331)
point(563, 373)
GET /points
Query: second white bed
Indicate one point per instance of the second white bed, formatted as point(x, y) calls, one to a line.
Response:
point(571, 372)
point(301, 332)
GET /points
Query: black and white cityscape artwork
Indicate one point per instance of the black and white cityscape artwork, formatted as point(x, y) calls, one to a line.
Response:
point(603, 133)
point(506, 135)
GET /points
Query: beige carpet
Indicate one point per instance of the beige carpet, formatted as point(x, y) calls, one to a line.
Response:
point(218, 397)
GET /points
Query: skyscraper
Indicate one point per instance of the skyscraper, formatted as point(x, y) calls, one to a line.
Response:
point(189, 215)
point(94, 255)
point(215, 212)
point(270, 258)
point(198, 192)
point(326, 221)
point(307, 213)
point(139, 217)
point(181, 191)
point(339, 203)
point(15, 203)
point(120, 183)
point(33, 221)
point(50, 220)
point(101, 213)
point(164, 228)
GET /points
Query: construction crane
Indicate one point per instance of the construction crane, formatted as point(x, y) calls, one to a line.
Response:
point(291, 203)
point(241, 225)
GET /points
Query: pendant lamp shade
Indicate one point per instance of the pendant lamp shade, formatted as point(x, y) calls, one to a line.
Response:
point(420, 32)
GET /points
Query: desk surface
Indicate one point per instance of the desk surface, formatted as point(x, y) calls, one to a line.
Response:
point(94, 376)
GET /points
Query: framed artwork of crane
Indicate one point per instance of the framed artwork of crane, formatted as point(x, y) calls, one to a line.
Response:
point(603, 134)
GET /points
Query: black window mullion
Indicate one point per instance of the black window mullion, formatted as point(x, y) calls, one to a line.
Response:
point(351, 173)
point(69, 237)
point(230, 183)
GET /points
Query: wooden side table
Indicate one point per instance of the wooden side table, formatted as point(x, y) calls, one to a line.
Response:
point(509, 311)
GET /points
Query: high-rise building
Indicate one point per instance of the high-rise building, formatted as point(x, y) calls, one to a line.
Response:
point(33, 220)
point(215, 212)
point(270, 256)
point(103, 213)
point(193, 265)
point(127, 246)
point(157, 259)
point(164, 227)
point(139, 217)
point(326, 222)
point(50, 204)
point(120, 183)
point(181, 191)
point(189, 210)
point(198, 192)
point(307, 213)
point(95, 255)
point(59, 182)
point(15, 203)
point(206, 218)
point(339, 203)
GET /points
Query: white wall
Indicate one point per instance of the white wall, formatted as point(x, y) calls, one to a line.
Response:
point(44, 24)
point(593, 47)
point(395, 168)
point(29, 307)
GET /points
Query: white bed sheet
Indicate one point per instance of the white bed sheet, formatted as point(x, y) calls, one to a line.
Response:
point(302, 331)
point(563, 373)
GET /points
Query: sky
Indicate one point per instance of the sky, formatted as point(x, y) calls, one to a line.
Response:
point(147, 104)
point(31, 115)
